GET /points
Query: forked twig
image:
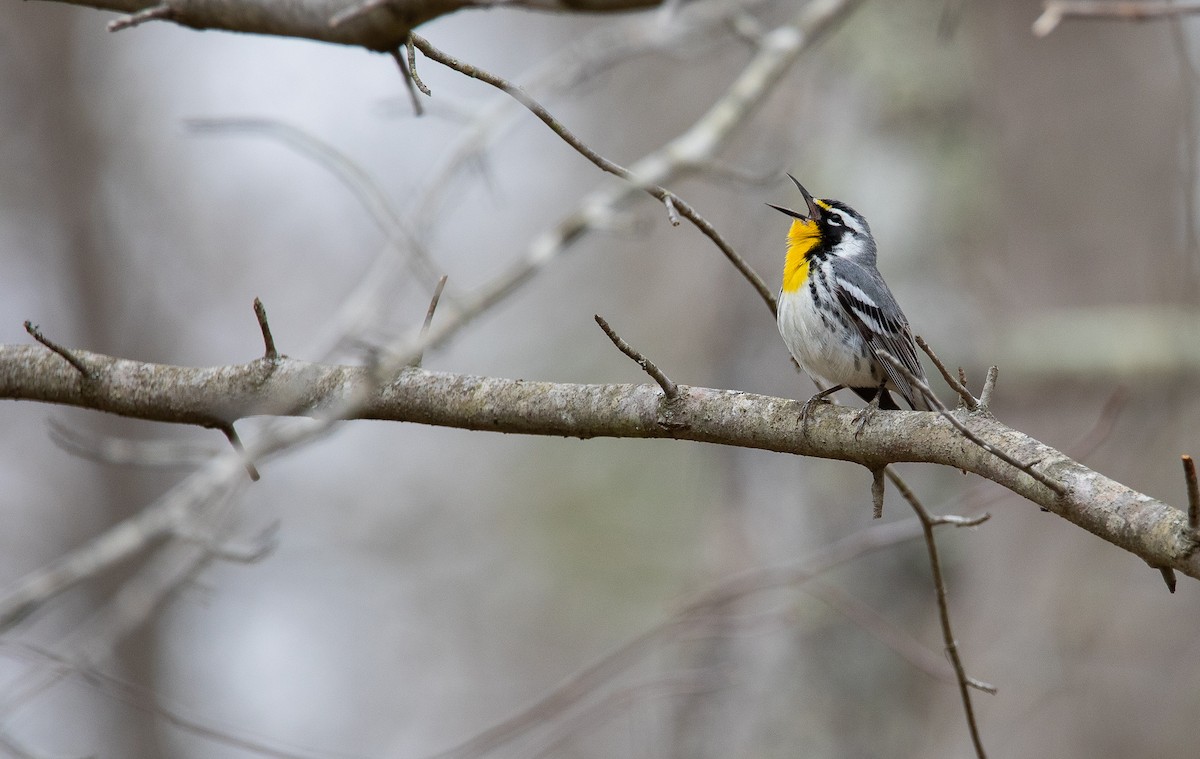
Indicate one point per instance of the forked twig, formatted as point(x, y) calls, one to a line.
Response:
point(965, 682)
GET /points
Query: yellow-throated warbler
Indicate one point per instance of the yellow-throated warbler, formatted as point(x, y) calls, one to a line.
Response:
point(836, 312)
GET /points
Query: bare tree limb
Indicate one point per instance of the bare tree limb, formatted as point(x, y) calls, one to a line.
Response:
point(1145, 526)
point(379, 25)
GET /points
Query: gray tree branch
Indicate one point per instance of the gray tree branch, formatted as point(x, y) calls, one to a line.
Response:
point(381, 25)
point(1138, 523)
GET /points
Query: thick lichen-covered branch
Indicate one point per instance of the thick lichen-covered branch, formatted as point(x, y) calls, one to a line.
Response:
point(1147, 527)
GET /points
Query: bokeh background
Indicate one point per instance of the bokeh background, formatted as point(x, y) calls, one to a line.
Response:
point(1035, 204)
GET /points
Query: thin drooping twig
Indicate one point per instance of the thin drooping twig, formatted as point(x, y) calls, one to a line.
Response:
point(84, 370)
point(409, 81)
point(1140, 10)
point(260, 312)
point(1168, 576)
point(669, 388)
point(232, 436)
point(940, 408)
point(412, 67)
point(928, 522)
point(682, 207)
point(877, 479)
point(970, 401)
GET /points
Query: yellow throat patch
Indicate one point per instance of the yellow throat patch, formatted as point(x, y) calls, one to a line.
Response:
point(802, 238)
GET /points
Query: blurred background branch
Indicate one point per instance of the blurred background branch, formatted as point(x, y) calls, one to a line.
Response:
point(972, 148)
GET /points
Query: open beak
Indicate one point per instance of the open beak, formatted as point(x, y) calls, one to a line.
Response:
point(814, 210)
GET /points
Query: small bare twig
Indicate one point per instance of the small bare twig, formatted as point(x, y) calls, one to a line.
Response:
point(957, 521)
point(989, 387)
point(683, 208)
point(1057, 10)
point(433, 304)
point(970, 401)
point(877, 479)
point(1168, 576)
point(940, 408)
point(260, 312)
point(162, 11)
point(71, 358)
point(928, 522)
point(672, 214)
point(669, 388)
point(406, 73)
point(236, 442)
point(1193, 492)
point(412, 67)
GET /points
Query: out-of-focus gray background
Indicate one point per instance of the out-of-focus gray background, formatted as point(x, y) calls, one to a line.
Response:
point(1031, 201)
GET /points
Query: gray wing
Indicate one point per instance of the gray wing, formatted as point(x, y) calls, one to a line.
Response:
point(874, 310)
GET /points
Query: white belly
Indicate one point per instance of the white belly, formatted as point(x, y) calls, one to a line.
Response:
point(825, 343)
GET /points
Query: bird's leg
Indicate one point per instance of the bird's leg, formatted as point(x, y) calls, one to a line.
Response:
point(819, 397)
point(868, 411)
